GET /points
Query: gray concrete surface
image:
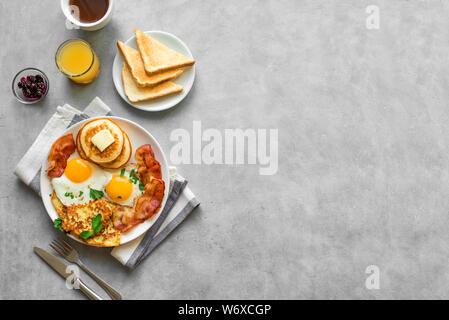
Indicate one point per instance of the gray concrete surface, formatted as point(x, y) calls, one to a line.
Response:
point(363, 149)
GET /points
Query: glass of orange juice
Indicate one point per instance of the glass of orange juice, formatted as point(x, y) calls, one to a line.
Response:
point(76, 59)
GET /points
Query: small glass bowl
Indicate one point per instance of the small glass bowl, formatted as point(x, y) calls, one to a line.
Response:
point(18, 92)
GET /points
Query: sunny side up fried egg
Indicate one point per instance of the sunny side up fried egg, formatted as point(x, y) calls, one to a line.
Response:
point(123, 185)
point(80, 177)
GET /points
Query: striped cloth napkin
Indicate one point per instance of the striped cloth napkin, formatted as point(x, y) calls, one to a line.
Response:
point(180, 203)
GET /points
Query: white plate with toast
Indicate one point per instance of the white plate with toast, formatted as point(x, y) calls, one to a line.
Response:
point(138, 136)
point(179, 82)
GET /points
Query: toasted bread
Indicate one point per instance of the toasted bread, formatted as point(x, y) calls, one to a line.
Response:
point(157, 57)
point(91, 152)
point(137, 94)
point(123, 158)
point(134, 61)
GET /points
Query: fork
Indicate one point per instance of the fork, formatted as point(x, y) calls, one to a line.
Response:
point(71, 255)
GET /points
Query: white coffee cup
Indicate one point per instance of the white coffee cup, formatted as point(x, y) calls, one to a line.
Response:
point(65, 6)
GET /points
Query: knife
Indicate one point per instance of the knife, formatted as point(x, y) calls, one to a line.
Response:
point(61, 268)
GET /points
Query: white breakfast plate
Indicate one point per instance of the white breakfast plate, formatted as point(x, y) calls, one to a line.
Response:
point(138, 137)
point(185, 79)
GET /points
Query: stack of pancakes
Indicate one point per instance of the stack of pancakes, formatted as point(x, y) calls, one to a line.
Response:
point(115, 155)
point(147, 72)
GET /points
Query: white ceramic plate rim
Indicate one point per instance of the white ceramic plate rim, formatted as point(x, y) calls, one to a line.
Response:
point(141, 228)
point(165, 102)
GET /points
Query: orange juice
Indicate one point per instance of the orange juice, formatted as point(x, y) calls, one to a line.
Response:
point(76, 59)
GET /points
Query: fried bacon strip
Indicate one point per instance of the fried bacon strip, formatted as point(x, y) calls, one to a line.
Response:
point(59, 153)
point(148, 166)
point(147, 204)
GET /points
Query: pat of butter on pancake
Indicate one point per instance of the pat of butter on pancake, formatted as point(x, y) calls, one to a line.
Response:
point(103, 139)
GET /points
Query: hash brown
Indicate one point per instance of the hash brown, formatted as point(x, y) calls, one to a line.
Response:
point(78, 218)
point(107, 237)
point(60, 208)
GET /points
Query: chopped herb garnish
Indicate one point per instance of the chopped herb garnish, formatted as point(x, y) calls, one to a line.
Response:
point(96, 224)
point(69, 194)
point(57, 224)
point(95, 194)
point(81, 193)
point(119, 197)
point(141, 186)
point(122, 173)
point(96, 227)
point(86, 234)
point(133, 177)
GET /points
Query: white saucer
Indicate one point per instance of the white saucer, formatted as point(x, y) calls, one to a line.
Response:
point(185, 79)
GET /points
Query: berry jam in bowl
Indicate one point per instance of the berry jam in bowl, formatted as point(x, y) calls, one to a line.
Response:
point(30, 85)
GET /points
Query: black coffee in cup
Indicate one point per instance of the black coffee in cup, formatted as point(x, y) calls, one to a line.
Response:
point(88, 11)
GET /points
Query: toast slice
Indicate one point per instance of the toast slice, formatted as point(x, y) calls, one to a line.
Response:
point(135, 64)
point(158, 57)
point(137, 94)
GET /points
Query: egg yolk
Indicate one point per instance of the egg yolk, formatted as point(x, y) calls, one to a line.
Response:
point(119, 188)
point(77, 170)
